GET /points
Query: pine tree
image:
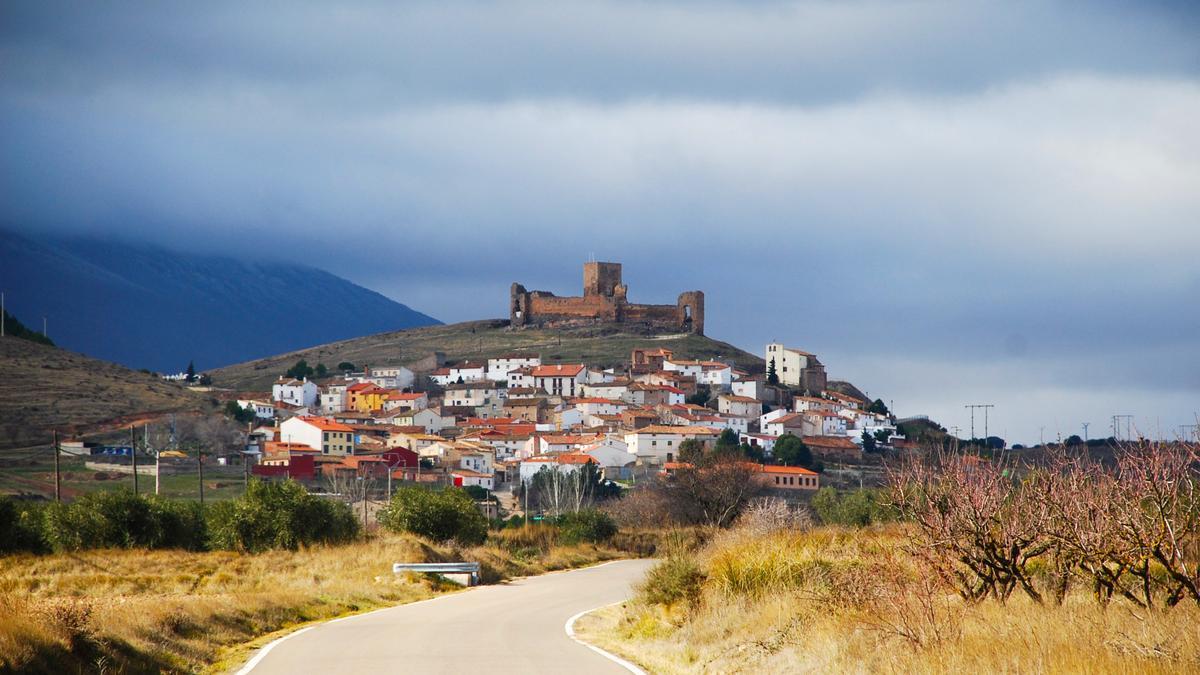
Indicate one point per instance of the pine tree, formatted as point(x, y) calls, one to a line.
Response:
point(772, 376)
point(191, 372)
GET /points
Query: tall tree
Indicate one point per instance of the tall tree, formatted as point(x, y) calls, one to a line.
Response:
point(792, 451)
point(772, 375)
point(191, 372)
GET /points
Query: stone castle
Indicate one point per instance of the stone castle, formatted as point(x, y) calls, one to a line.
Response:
point(605, 300)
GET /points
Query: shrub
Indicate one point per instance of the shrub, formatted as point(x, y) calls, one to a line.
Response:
point(676, 578)
point(855, 508)
point(20, 527)
point(440, 515)
point(586, 525)
point(279, 515)
point(121, 519)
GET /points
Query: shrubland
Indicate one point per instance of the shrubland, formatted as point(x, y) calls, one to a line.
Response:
point(970, 564)
point(135, 584)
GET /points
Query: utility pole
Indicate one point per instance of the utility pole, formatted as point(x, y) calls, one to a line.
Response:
point(985, 407)
point(157, 459)
point(133, 456)
point(200, 471)
point(45, 333)
point(57, 472)
point(1117, 426)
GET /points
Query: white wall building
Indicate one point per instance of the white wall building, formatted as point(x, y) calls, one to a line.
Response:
point(498, 368)
point(295, 392)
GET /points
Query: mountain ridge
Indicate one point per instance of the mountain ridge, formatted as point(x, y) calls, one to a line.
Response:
point(148, 307)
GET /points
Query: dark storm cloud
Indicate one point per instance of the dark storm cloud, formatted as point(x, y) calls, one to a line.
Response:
point(946, 200)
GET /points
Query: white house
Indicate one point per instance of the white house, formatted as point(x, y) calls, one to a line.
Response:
point(609, 452)
point(764, 441)
point(795, 367)
point(823, 423)
point(600, 406)
point(332, 397)
point(318, 433)
point(565, 463)
point(784, 423)
point(262, 409)
point(732, 404)
point(521, 378)
point(660, 443)
point(499, 367)
point(388, 377)
point(541, 444)
point(429, 419)
point(406, 401)
point(568, 417)
point(473, 394)
point(468, 372)
point(750, 388)
point(560, 380)
point(295, 392)
point(468, 478)
point(617, 389)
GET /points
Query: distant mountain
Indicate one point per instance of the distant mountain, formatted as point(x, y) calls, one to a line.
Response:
point(148, 307)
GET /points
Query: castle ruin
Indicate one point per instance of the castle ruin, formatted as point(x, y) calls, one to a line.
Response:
point(605, 299)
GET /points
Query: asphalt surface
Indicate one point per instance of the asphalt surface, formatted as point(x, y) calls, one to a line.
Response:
point(518, 627)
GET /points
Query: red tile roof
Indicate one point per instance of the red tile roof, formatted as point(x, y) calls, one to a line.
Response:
point(560, 370)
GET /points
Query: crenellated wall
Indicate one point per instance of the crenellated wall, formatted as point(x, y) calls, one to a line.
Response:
point(605, 299)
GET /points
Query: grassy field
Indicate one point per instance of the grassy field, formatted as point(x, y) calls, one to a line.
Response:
point(34, 475)
point(835, 600)
point(42, 388)
point(174, 611)
point(597, 345)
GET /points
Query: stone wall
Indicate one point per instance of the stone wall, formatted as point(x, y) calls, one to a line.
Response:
point(605, 299)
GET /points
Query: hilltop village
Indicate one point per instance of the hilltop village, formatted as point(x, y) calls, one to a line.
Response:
point(498, 421)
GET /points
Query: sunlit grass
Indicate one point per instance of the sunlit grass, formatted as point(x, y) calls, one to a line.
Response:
point(839, 600)
point(133, 610)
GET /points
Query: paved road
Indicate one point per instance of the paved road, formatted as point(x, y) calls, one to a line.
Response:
point(509, 628)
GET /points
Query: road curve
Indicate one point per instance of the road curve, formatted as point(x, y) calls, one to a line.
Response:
point(517, 627)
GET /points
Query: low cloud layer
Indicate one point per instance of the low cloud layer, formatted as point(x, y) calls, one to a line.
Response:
point(948, 202)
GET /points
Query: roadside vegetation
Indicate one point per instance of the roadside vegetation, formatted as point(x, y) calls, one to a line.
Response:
point(117, 582)
point(965, 564)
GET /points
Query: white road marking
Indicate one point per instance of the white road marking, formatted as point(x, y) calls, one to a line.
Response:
point(569, 627)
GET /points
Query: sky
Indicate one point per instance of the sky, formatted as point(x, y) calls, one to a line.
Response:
point(950, 202)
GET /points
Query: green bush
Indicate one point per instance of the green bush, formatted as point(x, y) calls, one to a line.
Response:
point(279, 515)
point(120, 519)
point(20, 527)
point(586, 525)
point(440, 515)
point(855, 508)
point(676, 578)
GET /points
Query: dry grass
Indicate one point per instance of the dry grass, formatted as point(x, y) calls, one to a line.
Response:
point(152, 611)
point(46, 387)
point(604, 345)
point(834, 600)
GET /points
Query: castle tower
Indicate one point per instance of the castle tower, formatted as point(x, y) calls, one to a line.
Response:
point(601, 278)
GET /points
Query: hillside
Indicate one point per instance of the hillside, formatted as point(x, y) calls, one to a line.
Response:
point(42, 388)
point(149, 307)
point(595, 345)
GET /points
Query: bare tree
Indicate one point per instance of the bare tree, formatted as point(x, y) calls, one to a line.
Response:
point(717, 491)
point(976, 526)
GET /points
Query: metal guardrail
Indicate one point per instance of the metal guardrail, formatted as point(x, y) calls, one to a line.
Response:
point(471, 568)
